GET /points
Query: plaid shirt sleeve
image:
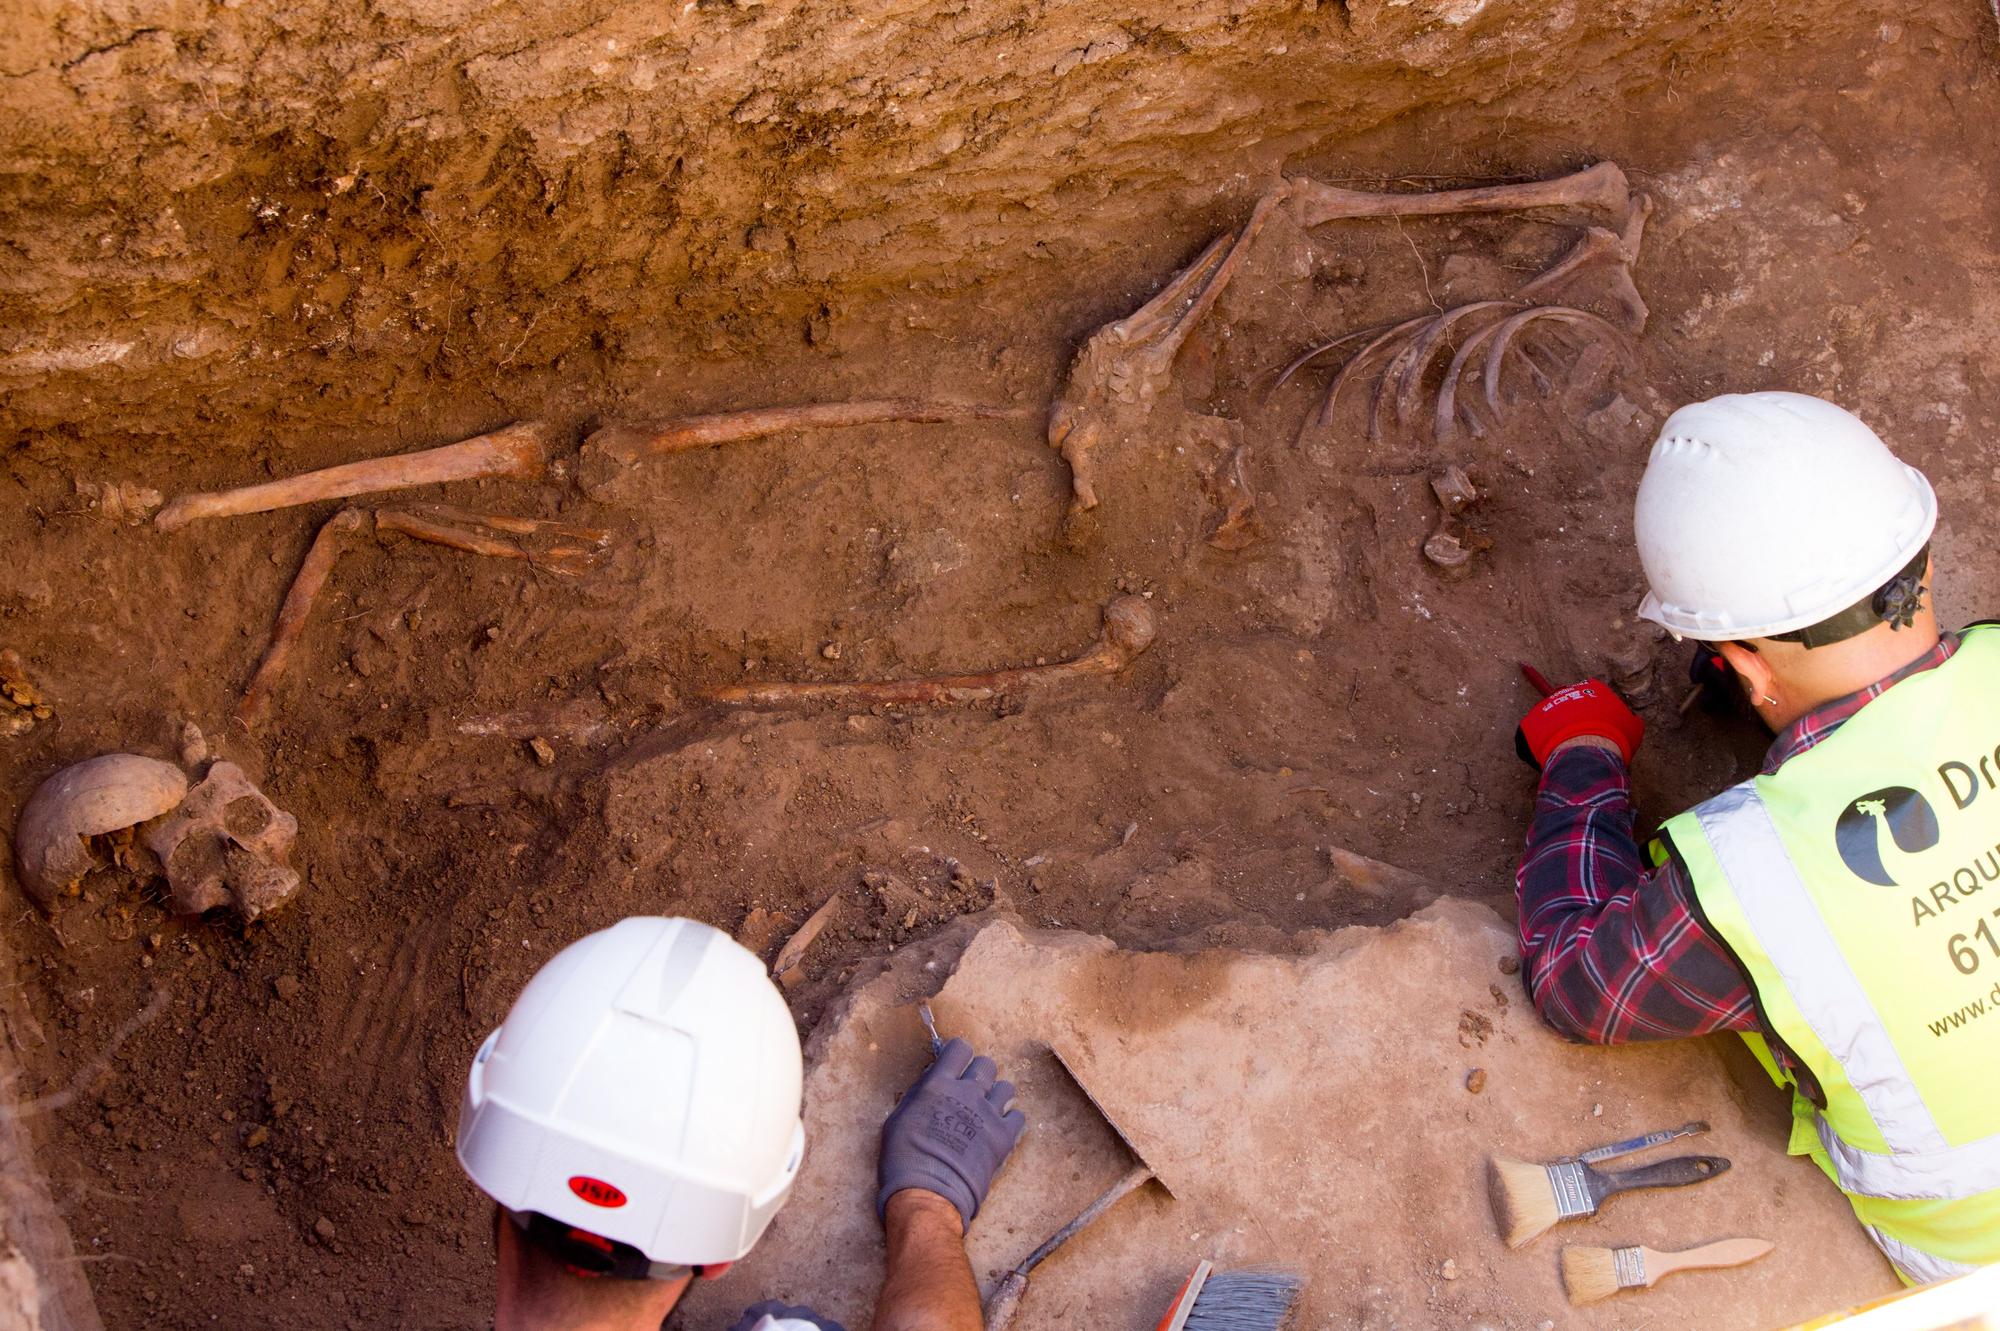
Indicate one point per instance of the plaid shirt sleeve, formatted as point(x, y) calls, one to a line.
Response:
point(1612, 953)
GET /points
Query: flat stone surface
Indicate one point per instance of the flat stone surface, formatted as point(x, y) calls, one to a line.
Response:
point(1309, 1110)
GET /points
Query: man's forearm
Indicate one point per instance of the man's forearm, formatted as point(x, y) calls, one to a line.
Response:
point(928, 1284)
point(1610, 952)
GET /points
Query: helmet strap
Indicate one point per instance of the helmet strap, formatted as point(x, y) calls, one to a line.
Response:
point(1894, 603)
point(589, 1255)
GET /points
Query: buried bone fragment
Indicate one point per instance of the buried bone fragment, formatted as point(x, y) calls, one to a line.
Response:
point(108, 793)
point(227, 845)
point(1127, 631)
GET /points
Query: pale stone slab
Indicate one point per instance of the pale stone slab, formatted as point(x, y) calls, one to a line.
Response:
point(1311, 1110)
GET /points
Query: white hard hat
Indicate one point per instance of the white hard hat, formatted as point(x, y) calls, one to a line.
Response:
point(1761, 513)
point(644, 1088)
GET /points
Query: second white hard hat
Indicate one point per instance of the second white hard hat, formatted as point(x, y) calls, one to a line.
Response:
point(1761, 513)
point(645, 1087)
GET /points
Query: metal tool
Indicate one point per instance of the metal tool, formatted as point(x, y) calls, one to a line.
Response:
point(1005, 1301)
point(930, 1024)
point(1597, 1155)
point(1709, 673)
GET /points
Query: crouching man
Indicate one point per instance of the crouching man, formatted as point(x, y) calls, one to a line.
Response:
point(1837, 909)
point(636, 1118)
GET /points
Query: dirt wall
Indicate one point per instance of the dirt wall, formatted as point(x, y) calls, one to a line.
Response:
point(211, 274)
point(239, 223)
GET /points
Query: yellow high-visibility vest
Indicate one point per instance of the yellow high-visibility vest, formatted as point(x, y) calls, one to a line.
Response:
point(1859, 887)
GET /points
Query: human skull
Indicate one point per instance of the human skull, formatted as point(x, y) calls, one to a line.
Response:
point(226, 845)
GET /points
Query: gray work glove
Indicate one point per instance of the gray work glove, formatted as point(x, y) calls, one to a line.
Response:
point(784, 1312)
point(950, 1133)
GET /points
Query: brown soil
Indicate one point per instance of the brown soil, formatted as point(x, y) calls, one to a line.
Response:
point(275, 1148)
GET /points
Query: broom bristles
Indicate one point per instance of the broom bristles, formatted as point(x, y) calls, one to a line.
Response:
point(1524, 1201)
point(1589, 1274)
point(1254, 1299)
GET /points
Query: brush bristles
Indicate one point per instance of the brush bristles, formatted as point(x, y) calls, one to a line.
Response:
point(1257, 1299)
point(1524, 1201)
point(1590, 1274)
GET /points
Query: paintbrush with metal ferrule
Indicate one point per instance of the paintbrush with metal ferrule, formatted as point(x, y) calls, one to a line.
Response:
point(1590, 1274)
point(1528, 1198)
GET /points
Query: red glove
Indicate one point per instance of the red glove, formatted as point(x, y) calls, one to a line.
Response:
point(1589, 708)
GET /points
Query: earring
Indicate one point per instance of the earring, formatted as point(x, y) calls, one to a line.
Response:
point(1767, 700)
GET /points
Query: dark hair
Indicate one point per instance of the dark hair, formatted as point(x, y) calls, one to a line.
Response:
point(1894, 603)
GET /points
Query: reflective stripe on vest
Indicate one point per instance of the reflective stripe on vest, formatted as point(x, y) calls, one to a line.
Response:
point(1789, 928)
point(1918, 1265)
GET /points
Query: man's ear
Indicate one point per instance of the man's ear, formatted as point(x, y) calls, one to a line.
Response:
point(716, 1270)
point(1753, 668)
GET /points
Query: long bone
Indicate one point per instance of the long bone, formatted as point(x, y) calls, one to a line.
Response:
point(1128, 630)
point(611, 453)
point(555, 546)
point(1597, 193)
point(627, 444)
point(327, 545)
point(519, 450)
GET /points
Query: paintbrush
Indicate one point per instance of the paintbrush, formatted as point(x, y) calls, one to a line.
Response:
point(1528, 1198)
point(1248, 1300)
point(1590, 1274)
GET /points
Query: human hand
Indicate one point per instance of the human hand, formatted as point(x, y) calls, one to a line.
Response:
point(950, 1133)
point(1589, 710)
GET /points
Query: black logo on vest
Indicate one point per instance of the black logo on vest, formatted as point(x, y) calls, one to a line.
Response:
point(1857, 833)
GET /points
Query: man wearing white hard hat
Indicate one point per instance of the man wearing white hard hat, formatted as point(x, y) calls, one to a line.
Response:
point(637, 1119)
point(1840, 909)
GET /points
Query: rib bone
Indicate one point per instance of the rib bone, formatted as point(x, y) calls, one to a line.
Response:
point(520, 450)
point(1128, 631)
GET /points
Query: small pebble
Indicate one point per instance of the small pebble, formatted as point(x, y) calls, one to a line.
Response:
point(286, 987)
point(1597, 1111)
point(545, 752)
point(324, 1228)
point(831, 651)
point(1475, 1080)
point(258, 1136)
point(1449, 1270)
